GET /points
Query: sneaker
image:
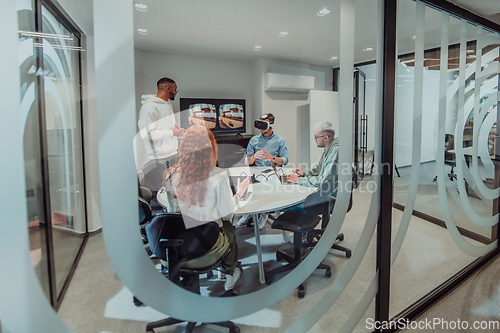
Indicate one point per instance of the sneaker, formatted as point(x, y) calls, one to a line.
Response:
point(221, 275)
point(262, 221)
point(243, 220)
point(232, 279)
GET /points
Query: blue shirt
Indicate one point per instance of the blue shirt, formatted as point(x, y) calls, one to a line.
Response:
point(274, 144)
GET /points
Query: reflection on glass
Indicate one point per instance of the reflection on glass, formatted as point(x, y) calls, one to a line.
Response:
point(445, 130)
point(31, 144)
point(64, 142)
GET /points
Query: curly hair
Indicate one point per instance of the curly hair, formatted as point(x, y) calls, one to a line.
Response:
point(197, 157)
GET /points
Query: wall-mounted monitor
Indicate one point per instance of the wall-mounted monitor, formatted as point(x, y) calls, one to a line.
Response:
point(218, 115)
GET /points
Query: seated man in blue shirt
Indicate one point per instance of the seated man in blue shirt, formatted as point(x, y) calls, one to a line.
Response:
point(267, 147)
point(261, 150)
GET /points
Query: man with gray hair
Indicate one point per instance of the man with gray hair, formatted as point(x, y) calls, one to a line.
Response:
point(324, 135)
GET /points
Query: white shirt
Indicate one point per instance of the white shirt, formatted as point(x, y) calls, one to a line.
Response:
point(219, 201)
point(156, 121)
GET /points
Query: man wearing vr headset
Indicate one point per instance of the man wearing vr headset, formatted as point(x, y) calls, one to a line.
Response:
point(268, 146)
point(261, 150)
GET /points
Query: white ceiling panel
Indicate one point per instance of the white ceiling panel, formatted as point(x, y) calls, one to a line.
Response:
point(230, 29)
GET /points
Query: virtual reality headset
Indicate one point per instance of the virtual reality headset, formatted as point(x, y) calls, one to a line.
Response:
point(263, 125)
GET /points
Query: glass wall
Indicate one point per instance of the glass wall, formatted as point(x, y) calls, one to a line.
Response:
point(446, 114)
point(49, 63)
point(445, 180)
point(290, 39)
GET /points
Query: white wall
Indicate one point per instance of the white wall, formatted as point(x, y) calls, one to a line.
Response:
point(81, 12)
point(404, 115)
point(217, 78)
point(370, 71)
point(403, 134)
point(91, 137)
point(324, 105)
point(195, 77)
point(291, 108)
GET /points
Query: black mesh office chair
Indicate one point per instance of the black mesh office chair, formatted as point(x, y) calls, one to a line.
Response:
point(174, 244)
point(340, 237)
point(145, 216)
point(449, 157)
point(302, 223)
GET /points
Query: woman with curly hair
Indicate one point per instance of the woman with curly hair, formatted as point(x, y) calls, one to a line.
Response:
point(201, 191)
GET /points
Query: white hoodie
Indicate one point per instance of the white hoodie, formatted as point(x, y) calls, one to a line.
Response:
point(156, 120)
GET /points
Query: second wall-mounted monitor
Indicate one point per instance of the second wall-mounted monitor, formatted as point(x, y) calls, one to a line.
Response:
point(218, 115)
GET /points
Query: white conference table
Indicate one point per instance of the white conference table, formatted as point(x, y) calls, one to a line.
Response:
point(267, 196)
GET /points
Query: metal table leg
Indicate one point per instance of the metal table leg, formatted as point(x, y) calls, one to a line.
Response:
point(259, 249)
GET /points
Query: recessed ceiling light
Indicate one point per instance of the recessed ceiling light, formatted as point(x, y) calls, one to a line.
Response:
point(323, 12)
point(368, 49)
point(141, 7)
point(257, 47)
point(333, 58)
point(414, 37)
point(143, 31)
point(283, 33)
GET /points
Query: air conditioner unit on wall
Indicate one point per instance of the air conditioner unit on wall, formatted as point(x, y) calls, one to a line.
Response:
point(283, 82)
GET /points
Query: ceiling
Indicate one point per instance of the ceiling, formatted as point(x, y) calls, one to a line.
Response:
point(489, 9)
point(230, 29)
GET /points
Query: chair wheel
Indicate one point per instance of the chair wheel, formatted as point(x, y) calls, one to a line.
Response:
point(340, 237)
point(301, 293)
point(235, 329)
point(348, 254)
point(269, 280)
point(328, 273)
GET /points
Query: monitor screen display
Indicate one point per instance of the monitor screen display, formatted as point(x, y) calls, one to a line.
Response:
point(218, 115)
point(202, 114)
point(231, 116)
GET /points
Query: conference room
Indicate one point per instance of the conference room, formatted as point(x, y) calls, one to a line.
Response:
point(411, 207)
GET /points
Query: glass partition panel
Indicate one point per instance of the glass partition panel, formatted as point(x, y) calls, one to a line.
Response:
point(61, 59)
point(30, 104)
point(292, 40)
point(446, 111)
point(49, 65)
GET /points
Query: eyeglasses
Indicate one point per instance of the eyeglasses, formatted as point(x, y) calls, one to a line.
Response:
point(319, 136)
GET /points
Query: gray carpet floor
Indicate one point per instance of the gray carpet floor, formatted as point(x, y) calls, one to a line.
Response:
point(97, 301)
point(476, 300)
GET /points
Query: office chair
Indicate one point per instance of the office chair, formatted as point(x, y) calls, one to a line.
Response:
point(146, 194)
point(174, 244)
point(145, 216)
point(302, 223)
point(340, 237)
point(449, 158)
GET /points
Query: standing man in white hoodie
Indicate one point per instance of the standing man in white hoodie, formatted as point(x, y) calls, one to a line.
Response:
point(159, 132)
